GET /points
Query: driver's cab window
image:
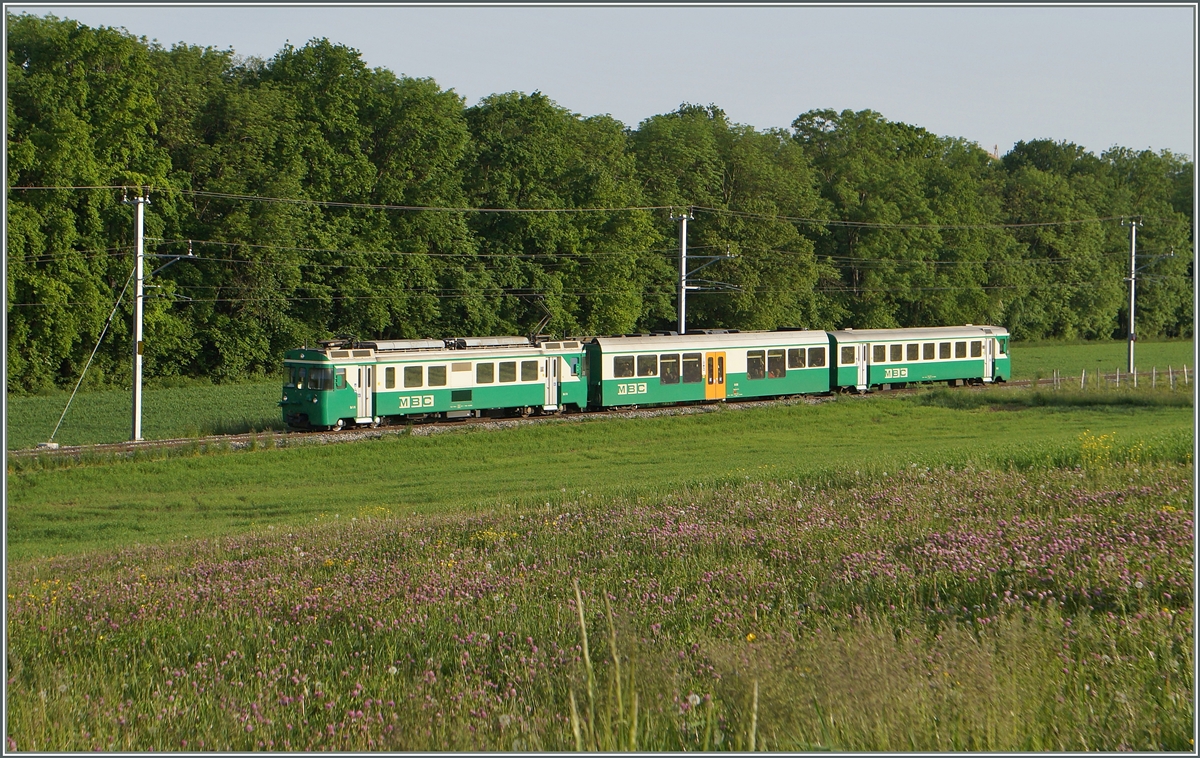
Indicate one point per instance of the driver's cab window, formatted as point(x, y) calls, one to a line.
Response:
point(339, 379)
point(299, 375)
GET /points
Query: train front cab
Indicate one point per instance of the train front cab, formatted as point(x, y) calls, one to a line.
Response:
point(316, 394)
point(895, 357)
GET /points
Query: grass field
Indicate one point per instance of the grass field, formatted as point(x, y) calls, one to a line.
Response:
point(167, 413)
point(1031, 359)
point(114, 504)
point(923, 609)
point(214, 409)
point(953, 570)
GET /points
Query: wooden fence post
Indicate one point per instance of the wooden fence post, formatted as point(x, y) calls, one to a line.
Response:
point(1082, 378)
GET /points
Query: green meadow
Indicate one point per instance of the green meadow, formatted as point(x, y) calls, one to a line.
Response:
point(1042, 602)
point(58, 506)
point(167, 413)
point(1041, 359)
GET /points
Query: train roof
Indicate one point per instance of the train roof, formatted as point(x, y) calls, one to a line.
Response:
point(706, 341)
point(433, 350)
point(922, 333)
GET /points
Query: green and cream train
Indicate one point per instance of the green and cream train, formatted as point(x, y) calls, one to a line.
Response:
point(368, 383)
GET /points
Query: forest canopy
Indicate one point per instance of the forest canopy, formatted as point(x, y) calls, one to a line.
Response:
point(845, 219)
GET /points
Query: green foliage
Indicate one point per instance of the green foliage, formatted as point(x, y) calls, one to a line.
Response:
point(918, 241)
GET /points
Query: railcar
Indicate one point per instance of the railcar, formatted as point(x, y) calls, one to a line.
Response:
point(689, 368)
point(370, 383)
point(867, 358)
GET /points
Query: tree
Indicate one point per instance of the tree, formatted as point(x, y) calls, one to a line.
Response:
point(586, 267)
point(739, 180)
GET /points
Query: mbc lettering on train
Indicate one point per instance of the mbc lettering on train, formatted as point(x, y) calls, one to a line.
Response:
point(416, 401)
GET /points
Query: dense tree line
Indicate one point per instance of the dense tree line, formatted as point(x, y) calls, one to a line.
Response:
point(846, 219)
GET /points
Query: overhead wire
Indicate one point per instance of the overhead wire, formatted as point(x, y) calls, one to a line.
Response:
point(614, 209)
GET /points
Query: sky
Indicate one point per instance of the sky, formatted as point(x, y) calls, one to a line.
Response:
point(1096, 76)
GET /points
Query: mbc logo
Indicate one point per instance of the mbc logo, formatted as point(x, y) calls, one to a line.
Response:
point(416, 401)
point(638, 388)
point(895, 373)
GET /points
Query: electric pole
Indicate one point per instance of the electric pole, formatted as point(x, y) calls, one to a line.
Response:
point(138, 309)
point(682, 218)
point(1133, 225)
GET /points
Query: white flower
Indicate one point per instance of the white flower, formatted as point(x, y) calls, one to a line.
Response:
point(694, 699)
point(393, 670)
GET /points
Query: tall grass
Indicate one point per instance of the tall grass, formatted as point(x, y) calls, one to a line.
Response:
point(918, 609)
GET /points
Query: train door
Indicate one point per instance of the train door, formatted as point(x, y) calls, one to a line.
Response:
point(864, 352)
point(552, 380)
point(989, 359)
point(714, 364)
point(365, 388)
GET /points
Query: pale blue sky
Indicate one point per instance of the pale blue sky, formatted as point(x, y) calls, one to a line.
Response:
point(1093, 75)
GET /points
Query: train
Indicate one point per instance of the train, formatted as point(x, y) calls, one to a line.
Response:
point(344, 383)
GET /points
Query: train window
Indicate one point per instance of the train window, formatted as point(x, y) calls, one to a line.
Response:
point(485, 373)
point(712, 371)
point(796, 357)
point(943, 350)
point(847, 355)
point(756, 364)
point(508, 371)
point(776, 366)
point(897, 353)
point(927, 351)
point(647, 365)
point(976, 349)
point(319, 378)
point(693, 369)
point(720, 369)
point(668, 369)
point(529, 371)
point(412, 376)
point(623, 366)
point(914, 352)
point(437, 376)
point(1000, 347)
point(339, 379)
point(960, 350)
point(389, 377)
point(879, 354)
point(289, 379)
point(574, 362)
point(816, 357)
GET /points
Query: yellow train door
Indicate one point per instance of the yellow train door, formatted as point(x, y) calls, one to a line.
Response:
point(714, 364)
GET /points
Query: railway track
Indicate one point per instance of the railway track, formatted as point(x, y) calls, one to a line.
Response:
point(422, 428)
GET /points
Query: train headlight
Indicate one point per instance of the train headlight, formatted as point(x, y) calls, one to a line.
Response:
point(285, 398)
point(314, 398)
